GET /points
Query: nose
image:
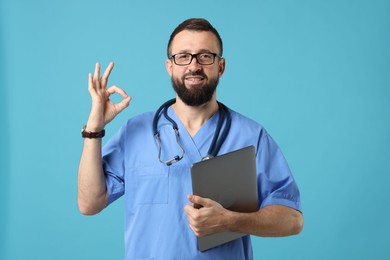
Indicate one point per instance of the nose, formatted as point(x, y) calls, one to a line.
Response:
point(194, 65)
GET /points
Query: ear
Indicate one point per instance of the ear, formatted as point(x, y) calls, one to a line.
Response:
point(221, 67)
point(168, 67)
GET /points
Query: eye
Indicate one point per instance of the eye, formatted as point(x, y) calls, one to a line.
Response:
point(182, 56)
point(205, 56)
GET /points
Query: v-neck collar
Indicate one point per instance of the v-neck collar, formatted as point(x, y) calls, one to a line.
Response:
point(196, 147)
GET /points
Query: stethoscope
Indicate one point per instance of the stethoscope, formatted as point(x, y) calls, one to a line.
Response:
point(215, 144)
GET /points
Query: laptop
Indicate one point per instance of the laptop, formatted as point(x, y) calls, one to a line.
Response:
point(229, 179)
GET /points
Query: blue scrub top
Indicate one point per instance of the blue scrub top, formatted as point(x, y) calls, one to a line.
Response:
point(156, 226)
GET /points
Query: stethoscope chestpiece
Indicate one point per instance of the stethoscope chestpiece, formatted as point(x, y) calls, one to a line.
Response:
point(175, 159)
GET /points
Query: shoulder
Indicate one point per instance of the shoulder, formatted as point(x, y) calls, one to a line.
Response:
point(136, 125)
point(244, 123)
point(140, 121)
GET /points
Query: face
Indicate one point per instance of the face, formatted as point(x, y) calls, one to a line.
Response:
point(195, 84)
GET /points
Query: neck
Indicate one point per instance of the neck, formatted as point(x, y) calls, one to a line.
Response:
point(194, 117)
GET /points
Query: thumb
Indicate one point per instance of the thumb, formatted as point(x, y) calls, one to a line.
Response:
point(197, 200)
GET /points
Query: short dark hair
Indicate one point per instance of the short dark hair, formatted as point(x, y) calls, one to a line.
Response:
point(194, 24)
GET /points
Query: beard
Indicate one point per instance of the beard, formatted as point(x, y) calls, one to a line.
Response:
point(195, 96)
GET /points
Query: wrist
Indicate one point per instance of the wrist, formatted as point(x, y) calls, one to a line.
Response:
point(93, 129)
point(94, 125)
point(86, 133)
point(232, 221)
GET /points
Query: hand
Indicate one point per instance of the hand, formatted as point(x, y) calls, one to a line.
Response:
point(209, 219)
point(103, 109)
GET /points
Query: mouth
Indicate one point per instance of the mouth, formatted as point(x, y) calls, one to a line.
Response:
point(194, 79)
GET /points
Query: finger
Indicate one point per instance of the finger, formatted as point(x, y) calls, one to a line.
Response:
point(188, 209)
point(126, 99)
point(123, 104)
point(115, 89)
point(192, 215)
point(198, 200)
point(96, 76)
point(195, 230)
point(90, 84)
point(91, 88)
point(106, 74)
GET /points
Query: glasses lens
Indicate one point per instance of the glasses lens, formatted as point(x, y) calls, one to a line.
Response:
point(205, 58)
point(183, 58)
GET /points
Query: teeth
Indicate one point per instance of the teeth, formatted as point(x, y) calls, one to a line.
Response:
point(194, 79)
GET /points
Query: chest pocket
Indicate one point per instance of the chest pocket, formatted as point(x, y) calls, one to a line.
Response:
point(151, 184)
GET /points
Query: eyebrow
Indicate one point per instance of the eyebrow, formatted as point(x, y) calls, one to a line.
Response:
point(200, 51)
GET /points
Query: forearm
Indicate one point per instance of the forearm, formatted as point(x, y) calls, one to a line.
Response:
point(270, 221)
point(92, 191)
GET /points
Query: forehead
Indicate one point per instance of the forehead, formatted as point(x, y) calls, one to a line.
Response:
point(195, 41)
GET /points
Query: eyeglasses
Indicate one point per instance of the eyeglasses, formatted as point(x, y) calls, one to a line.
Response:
point(183, 59)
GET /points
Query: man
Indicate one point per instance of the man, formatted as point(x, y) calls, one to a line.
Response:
point(161, 221)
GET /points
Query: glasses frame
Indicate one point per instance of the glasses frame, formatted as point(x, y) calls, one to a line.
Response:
point(196, 57)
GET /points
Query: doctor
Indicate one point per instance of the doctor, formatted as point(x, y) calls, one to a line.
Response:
point(154, 175)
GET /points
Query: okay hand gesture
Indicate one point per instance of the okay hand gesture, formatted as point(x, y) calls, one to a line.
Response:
point(103, 109)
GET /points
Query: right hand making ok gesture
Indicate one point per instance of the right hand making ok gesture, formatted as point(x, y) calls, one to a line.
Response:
point(103, 109)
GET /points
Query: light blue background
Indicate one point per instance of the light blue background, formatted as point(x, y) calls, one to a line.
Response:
point(315, 73)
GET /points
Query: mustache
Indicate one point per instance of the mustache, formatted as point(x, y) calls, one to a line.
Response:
point(196, 73)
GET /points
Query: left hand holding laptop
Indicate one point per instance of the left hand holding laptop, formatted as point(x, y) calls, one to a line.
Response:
point(206, 216)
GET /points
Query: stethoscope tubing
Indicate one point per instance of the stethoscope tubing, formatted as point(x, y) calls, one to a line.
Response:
point(216, 143)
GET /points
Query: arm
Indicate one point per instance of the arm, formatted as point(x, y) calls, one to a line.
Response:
point(270, 221)
point(92, 190)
